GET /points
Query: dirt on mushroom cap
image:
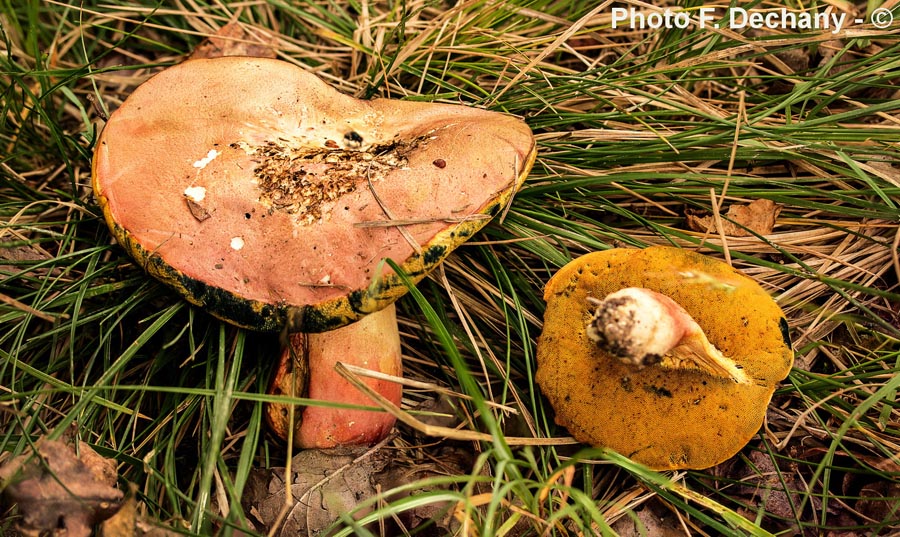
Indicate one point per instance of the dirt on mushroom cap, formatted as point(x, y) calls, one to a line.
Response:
point(662, 418)
point(257, 190)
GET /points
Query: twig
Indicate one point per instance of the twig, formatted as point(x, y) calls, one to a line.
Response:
point(436, 430)
point(414, 221)
point(363, 372)
point(406, 235)
point(28, 309)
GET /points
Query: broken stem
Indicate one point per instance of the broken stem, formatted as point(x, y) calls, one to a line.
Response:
point(643, 328)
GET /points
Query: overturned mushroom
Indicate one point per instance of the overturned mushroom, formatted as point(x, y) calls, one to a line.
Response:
point(666, 356)
point(271, 200)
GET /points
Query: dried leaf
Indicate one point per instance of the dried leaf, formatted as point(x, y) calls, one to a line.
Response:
point(757, 217)
point(777, 490)
point(233, 39)
point(878, 500)
point(197, 211)
point(650, 519)
point(123, 523)
point(57, 490)
point(20, 253)
point(329, 483)
point(20, 256)
point(128, 522)
point(876, 495)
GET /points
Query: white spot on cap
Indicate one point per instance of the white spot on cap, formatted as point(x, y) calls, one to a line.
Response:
point(237, 243)
point(196, 193)
point(200, 164)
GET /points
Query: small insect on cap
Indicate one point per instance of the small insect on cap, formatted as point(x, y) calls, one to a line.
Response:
point(262, 194)
point(685, 386)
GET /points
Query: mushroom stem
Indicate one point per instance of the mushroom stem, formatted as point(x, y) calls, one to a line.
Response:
point(306, 369)
point(641, 327)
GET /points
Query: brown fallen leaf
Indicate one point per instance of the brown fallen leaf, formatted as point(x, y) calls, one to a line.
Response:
point(773, 491)
point(876, 492)
point(329, 484)
point(128, 522)
point(59, 493)
point(233, 39)
point(17, 254)
point(652, 518)
point(197, 211)
point(326, 484)
point(123, 523)
point(740, 220)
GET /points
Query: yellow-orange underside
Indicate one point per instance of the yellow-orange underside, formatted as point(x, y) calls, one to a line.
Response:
point(662, 418)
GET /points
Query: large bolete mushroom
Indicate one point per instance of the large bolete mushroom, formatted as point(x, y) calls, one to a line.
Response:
point(664, 355)
point(271, 200)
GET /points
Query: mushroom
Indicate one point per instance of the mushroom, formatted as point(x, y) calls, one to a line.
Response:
point(664, 355)
point(271, 200)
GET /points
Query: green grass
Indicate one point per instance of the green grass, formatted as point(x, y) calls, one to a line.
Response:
point(633, 128)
